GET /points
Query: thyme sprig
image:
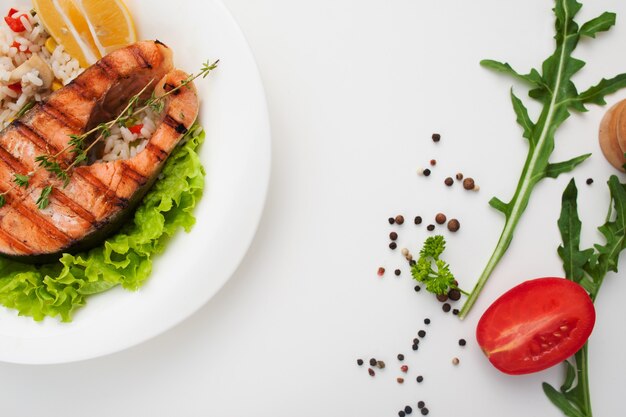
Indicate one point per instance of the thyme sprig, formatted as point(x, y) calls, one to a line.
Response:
point(77, 143)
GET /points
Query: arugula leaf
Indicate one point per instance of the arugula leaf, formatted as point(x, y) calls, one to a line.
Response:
point(601, 23)
point(588, 268)
point(554, 89)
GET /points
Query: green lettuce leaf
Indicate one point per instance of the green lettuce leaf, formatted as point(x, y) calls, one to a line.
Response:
point(59, 289)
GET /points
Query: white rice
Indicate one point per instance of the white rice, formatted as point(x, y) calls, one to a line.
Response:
point(31, 41)
point(123, 144)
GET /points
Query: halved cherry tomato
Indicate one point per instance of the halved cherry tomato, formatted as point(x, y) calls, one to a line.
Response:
point(536, 325)
point(136, 129)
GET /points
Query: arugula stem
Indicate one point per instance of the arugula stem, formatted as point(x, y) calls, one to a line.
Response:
point(582, 362)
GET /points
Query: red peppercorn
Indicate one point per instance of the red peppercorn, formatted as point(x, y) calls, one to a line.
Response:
point(404, 368)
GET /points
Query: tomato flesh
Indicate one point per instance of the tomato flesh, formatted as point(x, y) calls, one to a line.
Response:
point(536, 325)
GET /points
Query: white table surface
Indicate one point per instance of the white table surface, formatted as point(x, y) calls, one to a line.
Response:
point(355, 88)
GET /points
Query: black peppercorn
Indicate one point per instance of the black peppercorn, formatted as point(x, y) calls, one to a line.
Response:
point(391, 220)
point(454, 294)
point(408, 410)
point(589, 181)
point(418, 220)
point(417, 288)
point(424, 411)
point(420, 404)
point(373, 362)
point(400, 357)
point(397, 272)
point(446, 307)
point(426, 172)
point(393, 245)
point(419, 379)
point(436, 137)
point(421, 333)
point(430, 227)
point(462, 342)
point(359, 362)
point(426, 321)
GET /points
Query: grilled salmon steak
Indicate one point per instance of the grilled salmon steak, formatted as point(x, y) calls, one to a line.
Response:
point(99, 197)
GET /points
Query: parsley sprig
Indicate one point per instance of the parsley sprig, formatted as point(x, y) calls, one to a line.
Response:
point(78, 147)
point(438, 279)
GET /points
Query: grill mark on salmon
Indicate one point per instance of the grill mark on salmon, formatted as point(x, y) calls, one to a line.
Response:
point(30, 133)
point(58, 114)
point(73, 206)
point(98, 197)
point(14, 242)
point(159, 153)
point(41, 222)
point(108, 70)
point(141, 60)
point(14, 164)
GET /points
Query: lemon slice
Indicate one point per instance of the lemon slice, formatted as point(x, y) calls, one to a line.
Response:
point(110, 23)
point(67, 25)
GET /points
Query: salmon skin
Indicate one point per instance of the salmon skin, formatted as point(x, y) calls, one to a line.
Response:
point(99, 197)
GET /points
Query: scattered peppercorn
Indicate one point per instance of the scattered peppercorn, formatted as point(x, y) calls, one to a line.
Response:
point(446, 307)
point(401, 413)
point(393, 245)
point(417, 288)
point(455, 311)
point(415, 346)
point(391, 220)
point(359, 362)
point(408, 409)
point(440, 218)
point(430, 227)
point(418, 220)
point(420, 404)
point(454, 294)
point(426, 321)
point(448, 181)
point(468, 184)
point(419, 379)
point(436, 137)
point(416, 341)
point(455, 361)
point(404, 368)
point(400, 357)
point(404, 252)
point(433, 162)
point(371, 372)
point(442, 298)
point(397, 272)
point(381, 271)
point(426, 172)
point(412, 262)
point(421, 333)
point(589, 181)
point(459, 176)
point(424, 411)
point(393, 236)
point(454, 225)
point(380, 364)
point(400, 380)
point(462, 342)
point(399, 219)
point(373, 362)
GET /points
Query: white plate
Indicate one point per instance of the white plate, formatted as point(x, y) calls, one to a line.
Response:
point(236, 155)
